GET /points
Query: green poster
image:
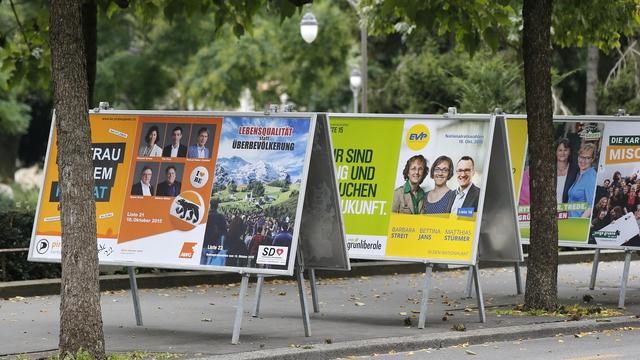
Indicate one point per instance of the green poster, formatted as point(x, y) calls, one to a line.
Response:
point(364, 150)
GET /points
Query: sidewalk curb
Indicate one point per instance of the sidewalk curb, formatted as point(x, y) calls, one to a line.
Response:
point(45, 287)
point(434, 341)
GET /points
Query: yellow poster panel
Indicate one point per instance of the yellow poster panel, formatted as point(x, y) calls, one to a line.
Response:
point(517, 133)
point(438, 237)
point(112, 139)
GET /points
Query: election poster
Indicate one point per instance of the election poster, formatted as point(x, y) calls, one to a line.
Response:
point(411, 188)
point(616, 213)
point(577, 155)
point(597, 167)
point(188, 191)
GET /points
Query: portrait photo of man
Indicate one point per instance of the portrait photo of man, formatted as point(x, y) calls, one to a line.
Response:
point(200, 150)
point(175, 148)
point(467, 194)
point(170, 186)
point(144, 187)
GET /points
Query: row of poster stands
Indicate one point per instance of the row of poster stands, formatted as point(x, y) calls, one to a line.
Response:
point(278, 193)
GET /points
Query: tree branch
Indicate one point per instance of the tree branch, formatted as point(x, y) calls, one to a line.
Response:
point(24, 36)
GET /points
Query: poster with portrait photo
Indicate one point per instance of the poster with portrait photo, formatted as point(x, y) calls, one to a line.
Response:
point(577, 155)
point(201, 141)
point(151, 140)
point(614, 222)
point(170, 179)
point(176, 140)
point(145, 178)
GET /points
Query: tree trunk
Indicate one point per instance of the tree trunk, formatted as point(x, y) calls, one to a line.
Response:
point(90, 37)
point(80, 314)
point(591, 100)
point(542, 267)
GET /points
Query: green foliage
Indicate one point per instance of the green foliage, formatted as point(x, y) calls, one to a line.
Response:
point(256, 187)
point(620, 93)
point(471, 22)
point(491, 81)
point(596, 22)
point(16, 234)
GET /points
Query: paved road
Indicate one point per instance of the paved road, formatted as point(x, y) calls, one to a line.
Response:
point(613, 344)
point(198, 320)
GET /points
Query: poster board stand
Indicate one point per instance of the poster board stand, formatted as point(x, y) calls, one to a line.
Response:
point(493, 242)
point(611, 222)
point(168, 228)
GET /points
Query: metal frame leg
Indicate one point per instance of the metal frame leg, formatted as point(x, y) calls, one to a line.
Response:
point(303, 302)
point(314, 290)
point(476, 280)
point(594, 269)
point(625, 278)
point(256, 306)
point(518, 278)
point(469, 288)
point(133, 284)
point(235, 338)
point(425, 296)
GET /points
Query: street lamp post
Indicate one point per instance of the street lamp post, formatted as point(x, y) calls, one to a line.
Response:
point(363, 52)
point(355, 80)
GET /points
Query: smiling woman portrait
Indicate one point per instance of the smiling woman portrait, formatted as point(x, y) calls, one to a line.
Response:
point(409, 198)
point(438, 199)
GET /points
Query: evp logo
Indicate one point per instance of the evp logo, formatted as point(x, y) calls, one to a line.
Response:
point(417, 137)
point(272, 255)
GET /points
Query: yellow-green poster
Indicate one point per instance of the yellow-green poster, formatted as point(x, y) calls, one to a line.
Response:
point(411, 188)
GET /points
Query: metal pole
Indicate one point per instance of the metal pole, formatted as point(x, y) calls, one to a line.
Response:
point(469, 288)
point(256, 306)
point(594, 269)
point(476, 280)
point(425, 297)
point(235, 337)
point(314, 290)
point(625, 278)
point(355, 101)
point(365, 65)
point(133, 284)
point(518, 278)
point(303, 302)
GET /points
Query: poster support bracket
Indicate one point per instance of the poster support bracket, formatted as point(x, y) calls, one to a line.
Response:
point(476, 281)
point(625, 278)
point(244, 284)
point(594, 269)
point(516, 268)
point(425, 296)
point(314, 290)
point(303, 299)
point(256, 305)
point(133, 284)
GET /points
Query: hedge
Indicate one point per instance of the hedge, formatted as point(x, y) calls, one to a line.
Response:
point(17, 225)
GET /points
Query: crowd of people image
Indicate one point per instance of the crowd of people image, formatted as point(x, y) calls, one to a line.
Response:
point(616, 197)
point(234, 239)
point(412, 199)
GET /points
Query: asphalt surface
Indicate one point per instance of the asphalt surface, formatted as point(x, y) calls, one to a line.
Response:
point(358, 316)
point(609, 344)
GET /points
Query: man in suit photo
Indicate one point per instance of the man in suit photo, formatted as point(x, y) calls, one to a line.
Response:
point(175, 149)
point(467, 194)
point(143, 187)
point(169, 187)
point(199, 150)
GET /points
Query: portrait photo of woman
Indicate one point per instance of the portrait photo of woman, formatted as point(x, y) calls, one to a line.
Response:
point(409, 198)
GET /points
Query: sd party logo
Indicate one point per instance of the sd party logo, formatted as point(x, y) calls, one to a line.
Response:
point(272, 255)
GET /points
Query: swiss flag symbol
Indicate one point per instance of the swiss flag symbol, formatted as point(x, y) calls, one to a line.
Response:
point(279, 252)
